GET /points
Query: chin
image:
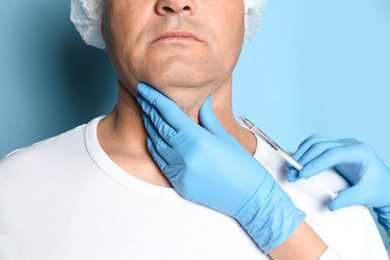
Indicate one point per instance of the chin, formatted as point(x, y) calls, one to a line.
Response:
point(180, 74)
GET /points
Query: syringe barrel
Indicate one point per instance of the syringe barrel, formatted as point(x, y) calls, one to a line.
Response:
point(289, 159)
point(283, 153)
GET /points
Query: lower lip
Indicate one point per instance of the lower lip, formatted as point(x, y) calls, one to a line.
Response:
point(177, 39)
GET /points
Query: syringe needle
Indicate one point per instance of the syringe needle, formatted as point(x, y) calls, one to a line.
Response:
point(225, 103)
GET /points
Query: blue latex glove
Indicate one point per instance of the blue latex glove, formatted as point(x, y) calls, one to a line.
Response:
point(206, 165)
point(357, 162)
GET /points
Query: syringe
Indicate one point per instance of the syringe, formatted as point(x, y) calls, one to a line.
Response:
point(283, 153)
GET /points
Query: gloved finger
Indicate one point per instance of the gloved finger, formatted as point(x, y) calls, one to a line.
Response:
point(316, 150)
point(383, 217)
point(304, 146)
point(317, 146)
point(293, 176)
point(330, 158)
point(348, 197)
point(162, 164)
point(168, 109)
point(209, 121)
point(163, 149)
point(165, 130)
point(349, 141)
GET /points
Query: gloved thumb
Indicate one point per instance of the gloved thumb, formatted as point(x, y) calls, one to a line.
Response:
point(346, 198)
point(208, 119)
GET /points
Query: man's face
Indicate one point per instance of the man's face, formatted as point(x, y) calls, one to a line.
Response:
point(173, 44)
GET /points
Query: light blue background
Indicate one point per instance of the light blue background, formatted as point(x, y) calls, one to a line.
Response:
point(315, 67)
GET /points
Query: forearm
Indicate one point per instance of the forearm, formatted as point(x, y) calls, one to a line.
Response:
point(304, 243)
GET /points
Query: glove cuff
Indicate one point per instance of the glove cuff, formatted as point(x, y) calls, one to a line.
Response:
point(384, 217)
point(270, 217)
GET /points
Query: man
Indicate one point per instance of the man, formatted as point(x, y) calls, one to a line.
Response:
point(64, 201)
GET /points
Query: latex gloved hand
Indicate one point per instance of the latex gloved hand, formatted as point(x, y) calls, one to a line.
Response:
point(357, 162)
point(206, 165)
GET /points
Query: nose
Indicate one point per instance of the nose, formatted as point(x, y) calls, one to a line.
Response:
point(166, 7)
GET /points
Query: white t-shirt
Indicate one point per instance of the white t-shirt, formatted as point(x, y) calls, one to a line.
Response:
point(64, 198)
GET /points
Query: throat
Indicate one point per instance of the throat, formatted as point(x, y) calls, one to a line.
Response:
point(127, 148)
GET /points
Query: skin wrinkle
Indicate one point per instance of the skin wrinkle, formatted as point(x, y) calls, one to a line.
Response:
point(186, 72)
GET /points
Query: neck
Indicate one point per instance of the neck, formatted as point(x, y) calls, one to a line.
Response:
point(122, 134)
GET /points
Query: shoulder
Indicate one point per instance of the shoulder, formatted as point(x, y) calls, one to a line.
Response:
point(43, 153)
